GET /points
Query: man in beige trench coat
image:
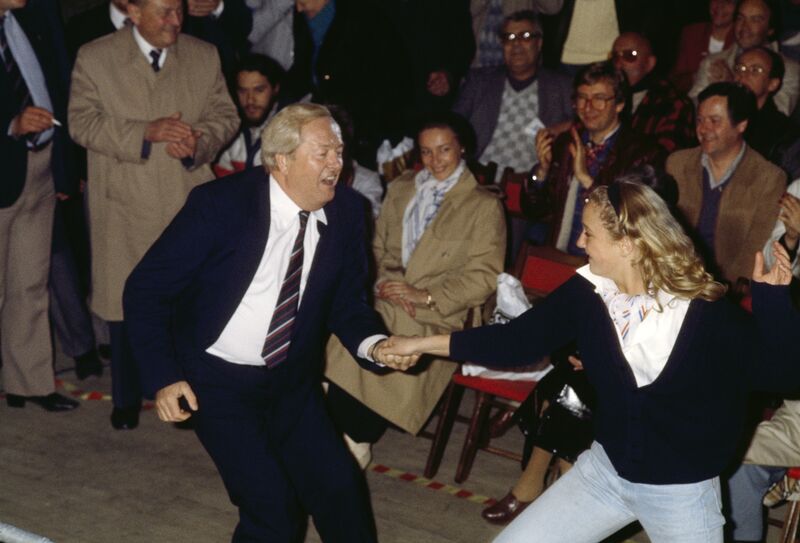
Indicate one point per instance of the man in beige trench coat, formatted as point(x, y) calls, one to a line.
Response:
point(152, 109)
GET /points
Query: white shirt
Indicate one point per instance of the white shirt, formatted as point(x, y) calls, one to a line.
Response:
point(117, 16)
point(648, 346)
point(243, 337)
point(145, 47)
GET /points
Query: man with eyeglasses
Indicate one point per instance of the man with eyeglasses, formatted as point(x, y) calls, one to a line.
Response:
point(728, 193)
point(754, 24)
point(769, 131)
point(658, 109)
point(507, 105)
point(597, 148)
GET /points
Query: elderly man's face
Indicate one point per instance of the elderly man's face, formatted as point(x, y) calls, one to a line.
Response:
point(752, 70)
point(632, 55)
point(717, 134)
point(751, 27)
point(311, 171)
point(158, 21)
point(522, 43)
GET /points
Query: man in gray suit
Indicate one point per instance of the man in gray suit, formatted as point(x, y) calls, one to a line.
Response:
point(508, 104)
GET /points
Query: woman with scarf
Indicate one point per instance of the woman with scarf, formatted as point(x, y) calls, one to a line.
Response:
point(439, 245)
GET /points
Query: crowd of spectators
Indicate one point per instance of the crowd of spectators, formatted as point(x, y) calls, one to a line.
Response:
point(132, 103)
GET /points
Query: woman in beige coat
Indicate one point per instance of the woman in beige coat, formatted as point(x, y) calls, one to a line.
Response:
point(439, 245)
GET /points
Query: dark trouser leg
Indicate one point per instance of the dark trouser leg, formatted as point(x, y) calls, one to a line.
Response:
point(125, 386)
point(354, 418)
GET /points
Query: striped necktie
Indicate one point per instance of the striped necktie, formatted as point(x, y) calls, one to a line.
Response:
point(155, 54)
point(20, 94)
point(276, 346)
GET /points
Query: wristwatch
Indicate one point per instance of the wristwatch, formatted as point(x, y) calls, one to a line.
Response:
point(430, 302)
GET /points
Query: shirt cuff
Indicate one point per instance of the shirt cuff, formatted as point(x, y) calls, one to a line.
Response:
point(217, 12)
point(146, 145)
point(366, 345)
point(188, 162)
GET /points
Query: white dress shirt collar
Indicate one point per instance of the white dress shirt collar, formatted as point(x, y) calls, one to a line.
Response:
point(145, 47)
point(117, 16)
point(283, 210)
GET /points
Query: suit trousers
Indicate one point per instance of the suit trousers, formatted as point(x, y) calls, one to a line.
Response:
point(278, 454)
point(126, 389)
point(26, 230)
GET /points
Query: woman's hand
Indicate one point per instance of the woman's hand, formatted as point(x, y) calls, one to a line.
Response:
point(781, 272)
point(544, 152)
point(402, 294)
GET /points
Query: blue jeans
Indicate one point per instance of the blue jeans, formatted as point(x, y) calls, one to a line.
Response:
point(591, 501)
point(747, 487)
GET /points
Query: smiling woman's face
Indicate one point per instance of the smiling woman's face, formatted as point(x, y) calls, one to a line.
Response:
point(440, 151)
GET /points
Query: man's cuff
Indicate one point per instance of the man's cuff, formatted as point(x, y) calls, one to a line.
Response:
point(188, 162)
point(217, 12)
point(365, 346)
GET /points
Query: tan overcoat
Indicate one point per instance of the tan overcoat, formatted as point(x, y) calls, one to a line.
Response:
point(115, 93)
point(747, 212)
point(457, 259)
point(776, 442)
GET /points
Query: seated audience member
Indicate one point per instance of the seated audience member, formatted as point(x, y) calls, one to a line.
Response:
point(598, 148)
point(774, 447)
point(728, 193)
point(787, 228)
point(224, 24)
point(658, 109)
point(508, 104)
point(701, 39)
point(487, 22)
point(348, 53)
point(272, 30)
point(363, 180)
point(258, 83)
point(439, 244)
point(769, 132)
point(672, 363)
point(754, 24)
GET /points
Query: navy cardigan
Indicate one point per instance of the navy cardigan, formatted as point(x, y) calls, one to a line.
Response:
point(684, 426)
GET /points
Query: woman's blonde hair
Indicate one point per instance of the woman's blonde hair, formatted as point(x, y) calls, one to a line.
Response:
point(667, 258)
point(281, 136)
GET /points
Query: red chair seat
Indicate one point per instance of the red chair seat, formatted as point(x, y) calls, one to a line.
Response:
point(503, 388)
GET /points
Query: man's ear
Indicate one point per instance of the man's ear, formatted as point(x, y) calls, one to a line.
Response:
point(742, 127)
point(773, 85)
point(135, 13)
point(282, 161)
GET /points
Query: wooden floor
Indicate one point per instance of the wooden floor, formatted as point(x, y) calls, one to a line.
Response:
point(73, 479)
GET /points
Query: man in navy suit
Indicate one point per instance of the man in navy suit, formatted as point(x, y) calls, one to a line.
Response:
point(212, 288)
point(34, 153)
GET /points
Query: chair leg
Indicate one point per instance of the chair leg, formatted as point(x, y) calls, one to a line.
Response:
point(790, 523)
point(444, 426)
point(479, 417)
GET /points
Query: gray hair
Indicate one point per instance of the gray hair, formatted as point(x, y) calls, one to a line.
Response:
point(282, 133)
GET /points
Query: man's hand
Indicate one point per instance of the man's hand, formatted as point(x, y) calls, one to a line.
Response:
point(578, 153)
point(720, 71)
point(201, 8)
point(184, 148)
point(790, 215)
point(397, 353)
point(544, 152)
point(167, 402)
point(781, 272)
point(169, 129)
point(31, 120)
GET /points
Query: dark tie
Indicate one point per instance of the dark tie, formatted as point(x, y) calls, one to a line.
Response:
point(276, 346)
point(155, 54)
point(127, 22)
point(20, 95)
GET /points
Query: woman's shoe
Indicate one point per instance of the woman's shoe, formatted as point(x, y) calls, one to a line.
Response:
point(505, 510)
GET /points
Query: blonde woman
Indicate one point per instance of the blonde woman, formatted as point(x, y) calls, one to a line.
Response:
point(671, 360)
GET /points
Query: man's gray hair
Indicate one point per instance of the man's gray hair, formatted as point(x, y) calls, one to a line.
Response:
point(282, 133)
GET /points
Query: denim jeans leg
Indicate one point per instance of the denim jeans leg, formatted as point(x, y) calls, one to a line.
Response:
point(747, 487)
point(583, 506)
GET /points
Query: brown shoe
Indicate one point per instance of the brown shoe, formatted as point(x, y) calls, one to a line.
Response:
point(505, 510)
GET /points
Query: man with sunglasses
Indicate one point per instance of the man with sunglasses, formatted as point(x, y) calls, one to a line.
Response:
point(658, 109)
point(754, 24)
point(508, 104)
point(597, 148)
point(769, 131)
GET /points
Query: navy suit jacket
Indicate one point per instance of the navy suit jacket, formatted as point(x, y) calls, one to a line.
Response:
point(186, 288)
point(14, 152)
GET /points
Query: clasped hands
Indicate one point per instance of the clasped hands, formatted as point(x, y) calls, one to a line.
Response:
point(180, 137)
point(398, 352)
